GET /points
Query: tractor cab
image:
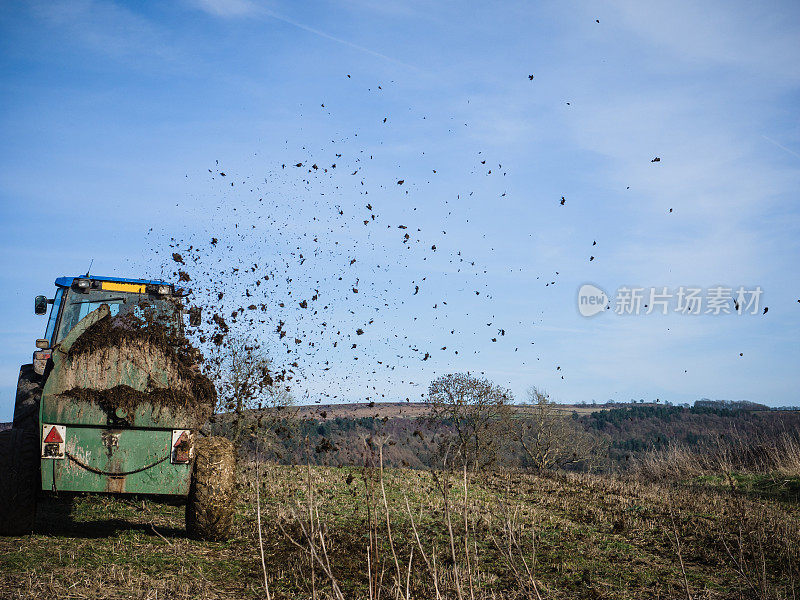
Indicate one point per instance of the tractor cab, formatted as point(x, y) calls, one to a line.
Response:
point(76, 297)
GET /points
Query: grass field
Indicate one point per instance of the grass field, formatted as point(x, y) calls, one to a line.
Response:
point(560, 536)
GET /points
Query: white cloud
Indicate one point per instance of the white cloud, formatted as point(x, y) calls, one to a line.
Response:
point(227, 8)
point(106, 28)
point(246, 8)
point(759, 38)
point(717, 174)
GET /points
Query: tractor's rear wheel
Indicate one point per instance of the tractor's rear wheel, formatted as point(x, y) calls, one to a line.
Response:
point(19, 481)
point(29, 394)
point(209, 510)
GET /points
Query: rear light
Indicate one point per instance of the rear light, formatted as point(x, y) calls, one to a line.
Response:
point(81, 284)
point(159, 289)
point(42, 344)
point(40, 359)
point(182, 449)
point(53, 437)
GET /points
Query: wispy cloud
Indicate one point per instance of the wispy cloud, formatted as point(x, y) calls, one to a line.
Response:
point(758, 38)
point(782, 147)
point(246, 8)
point(339, 40)
point(704, 208)
point(109, 29)
point(227, 8)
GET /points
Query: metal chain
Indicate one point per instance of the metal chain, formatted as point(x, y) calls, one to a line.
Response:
point(110, 473)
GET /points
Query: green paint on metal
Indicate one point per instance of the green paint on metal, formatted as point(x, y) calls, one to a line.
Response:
point(118, 451)
point(62, 410)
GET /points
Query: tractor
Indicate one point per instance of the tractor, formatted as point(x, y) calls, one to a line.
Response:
point(114, 402)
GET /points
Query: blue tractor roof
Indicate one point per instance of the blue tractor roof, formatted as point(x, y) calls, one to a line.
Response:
point(67, 281)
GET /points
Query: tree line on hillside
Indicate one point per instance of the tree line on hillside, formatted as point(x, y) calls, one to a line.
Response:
point(474, 423)
point(470, 423)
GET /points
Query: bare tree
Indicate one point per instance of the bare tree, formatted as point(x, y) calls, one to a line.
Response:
point(472, 415)
point(549, 439)
point(244, 381)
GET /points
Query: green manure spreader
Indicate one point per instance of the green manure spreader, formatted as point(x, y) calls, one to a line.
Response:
point(113, 403)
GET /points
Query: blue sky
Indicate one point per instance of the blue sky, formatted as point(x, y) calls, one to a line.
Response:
point(118, 118)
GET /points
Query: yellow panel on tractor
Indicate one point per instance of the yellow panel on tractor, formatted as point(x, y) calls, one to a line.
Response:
point(113, 286)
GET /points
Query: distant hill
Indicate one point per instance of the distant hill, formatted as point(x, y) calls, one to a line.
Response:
point(334, 434)
point(730, 404)
point(412, 410)
point(638, 428)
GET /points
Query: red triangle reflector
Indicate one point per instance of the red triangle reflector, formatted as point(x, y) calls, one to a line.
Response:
point(182, 439)
point(53, 437)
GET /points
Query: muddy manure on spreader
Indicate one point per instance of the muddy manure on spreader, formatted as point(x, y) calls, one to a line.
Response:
point(140, 344)
point(128, 399)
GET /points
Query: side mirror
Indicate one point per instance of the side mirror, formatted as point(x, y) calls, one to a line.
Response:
point(40, 305)
point(195, 316)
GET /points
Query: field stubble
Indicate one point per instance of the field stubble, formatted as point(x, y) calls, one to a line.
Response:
point(397, 533)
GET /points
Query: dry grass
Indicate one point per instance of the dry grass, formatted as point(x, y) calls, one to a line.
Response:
point(776, 457)
point(785, 456)
point(373, 533)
